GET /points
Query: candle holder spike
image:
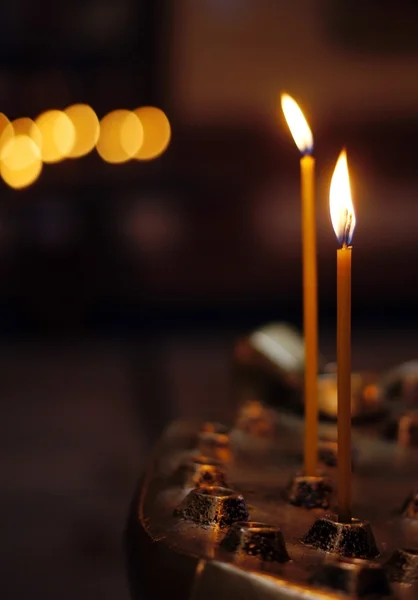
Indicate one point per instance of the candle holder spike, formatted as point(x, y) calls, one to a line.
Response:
point(256, 539)
point(200, 470)
point(401, 384)
point(215, 443)
point(309, 491)
point(328, 453)
point(409, 508)
point(402, 566)
point(352, 540)
point(402, 428)
point(358, 578)
point(213, 505)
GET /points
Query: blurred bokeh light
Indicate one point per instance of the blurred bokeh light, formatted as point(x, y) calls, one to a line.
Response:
point(6, 130)
point(27, 127)
point(87, 129)
point(157, 132)
point(58, 135)
point(20, 161)
point(121, 136)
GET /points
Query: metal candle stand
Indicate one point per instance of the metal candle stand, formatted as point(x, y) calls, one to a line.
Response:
point(223, 521)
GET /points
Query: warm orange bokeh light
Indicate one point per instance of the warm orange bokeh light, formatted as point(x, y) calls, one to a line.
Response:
point(340, 203)
point(87, 129)
point(157, 132)
point(6, 130)
point(58, 135)
point(20, 161)
point(298, 125)
point(25, 126)
point(121, 136)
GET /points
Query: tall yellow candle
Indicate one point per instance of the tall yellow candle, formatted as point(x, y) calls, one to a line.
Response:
point(302, 135)
point(343, 221)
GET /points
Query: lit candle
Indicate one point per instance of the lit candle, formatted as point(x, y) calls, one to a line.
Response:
point(343, 221)
point(302, 135)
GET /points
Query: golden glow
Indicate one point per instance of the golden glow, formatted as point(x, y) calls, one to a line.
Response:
point(20, 161)
point(157, 132)
point(340, 203)
point(58, 135)
point(297, 123)
point(121, 136)
point(6, 130)
point(87, 129)
point(25, 126)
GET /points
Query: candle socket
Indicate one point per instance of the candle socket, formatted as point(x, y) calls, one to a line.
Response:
point(215, 444)
point(402, 428)
point(200, 470)
point(309, 491)
point(328, 453)
point(257, 419)
point(401, 384)
point(352, 540)
point(409, 509)
point(256, 539)
point(402, 566)
point(358, 578)
point(212, 505)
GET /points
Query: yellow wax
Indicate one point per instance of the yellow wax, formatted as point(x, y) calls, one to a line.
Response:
point(344, 382)
point(310, 312)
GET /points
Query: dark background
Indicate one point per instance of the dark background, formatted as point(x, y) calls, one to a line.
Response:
point(124, 287)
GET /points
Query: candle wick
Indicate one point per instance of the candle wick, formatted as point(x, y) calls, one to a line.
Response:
point(348, 220)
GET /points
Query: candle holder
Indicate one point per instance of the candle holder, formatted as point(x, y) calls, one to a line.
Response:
point(257, 419)
point(309, 491)
point(409, 509)
point(352, 540)
point(402, 566)
point(215, 442)
point(256, 539)
point(213, 505)
point(328, 453)
point(402, 428)
point(200, 470)
point(401, 383)
point(359, 578)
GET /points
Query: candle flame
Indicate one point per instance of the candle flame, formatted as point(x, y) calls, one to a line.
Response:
point(297, 123)
point(340, 203)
